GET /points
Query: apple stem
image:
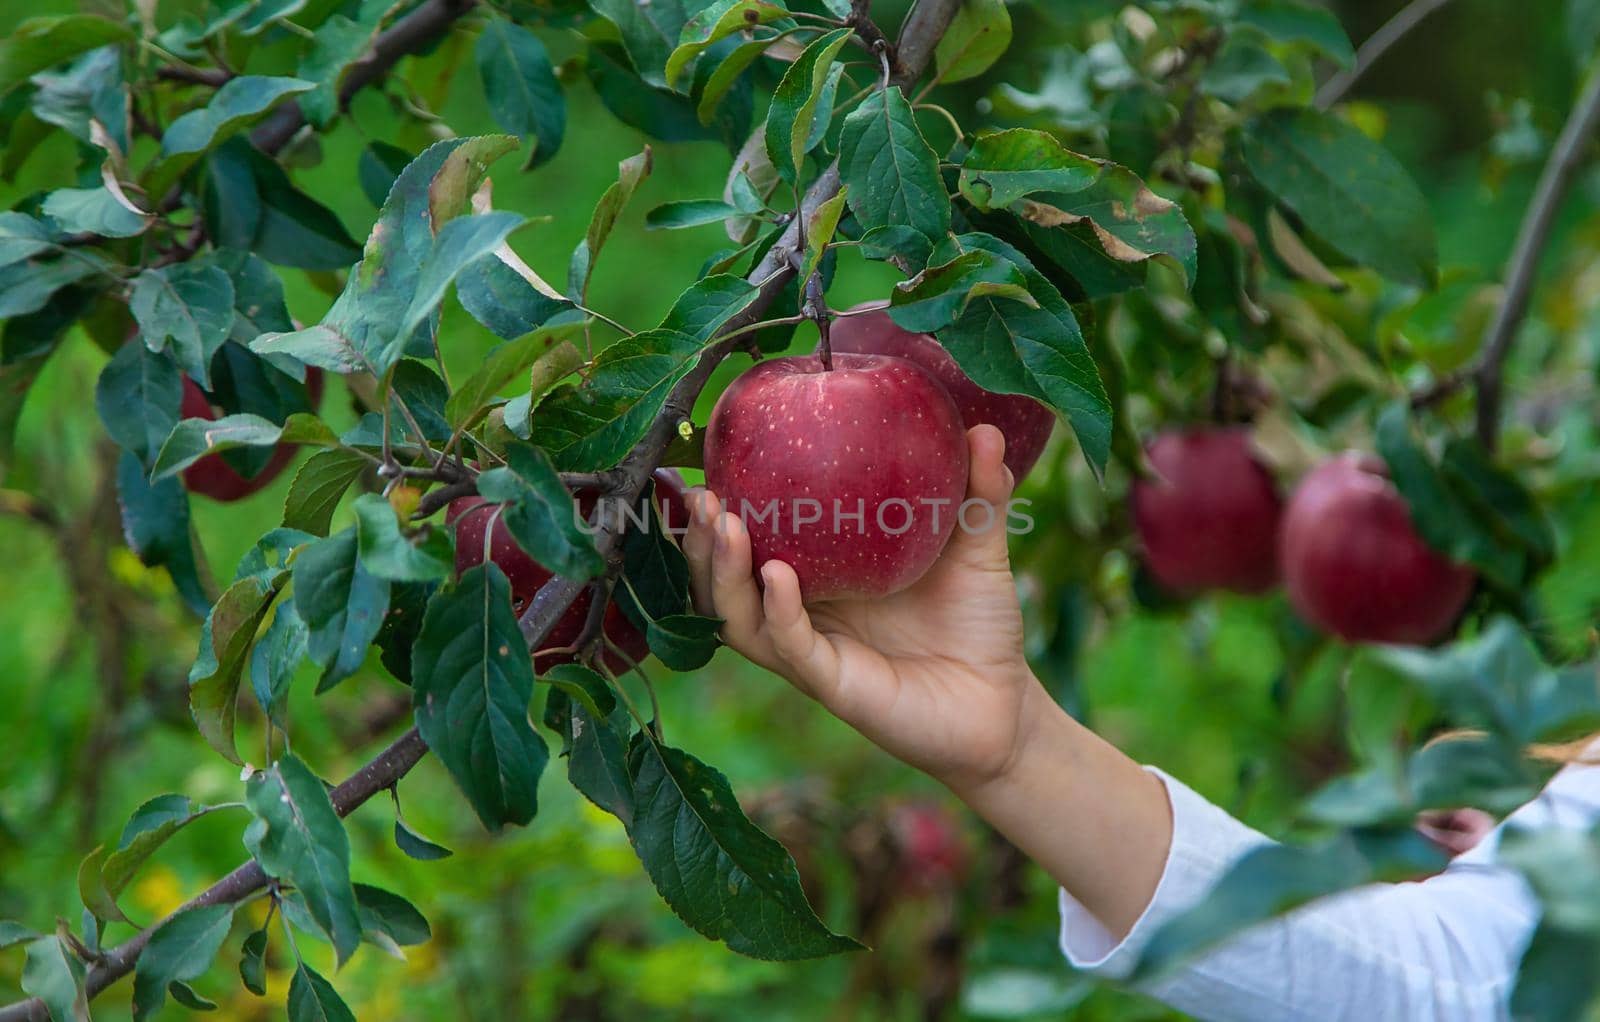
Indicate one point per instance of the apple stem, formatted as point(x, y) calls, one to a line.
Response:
point(816, 308)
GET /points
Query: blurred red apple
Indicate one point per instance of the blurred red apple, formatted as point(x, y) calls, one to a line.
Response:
point(932, 854)
point(1025, 422)
point(1355, 565)
point(853, 475)
point(212, 476)
point(471, 517)
point(1208, 515)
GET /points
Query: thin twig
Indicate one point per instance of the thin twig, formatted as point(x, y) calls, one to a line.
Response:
point(416, 31)
point(1377, 44)
point(1521, 271)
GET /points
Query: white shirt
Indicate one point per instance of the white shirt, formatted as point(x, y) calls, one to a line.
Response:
point(1444, 948)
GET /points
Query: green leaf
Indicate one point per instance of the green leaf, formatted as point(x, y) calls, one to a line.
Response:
point(146, 831)
point(585, 685)
point(820, 230)
point(1267, 882)
point(38, 44)
point(407, 602)
point(1448, 524)
point(658, 112)
point(939, 295)
point(225, 642)
point(597, 761)
point(95, 211)
point(539, 513)
point(155, 524)
point(707, 304)
point(715, 22)
point(1101, 233)
point(1291, 21)
point(137, 396)
point(794, 103)
point(181, 948)
point(891, 170)
point(720, 873)
point(193, 439)
point(380, 164)
point(388, 553)
point(1499, 498)
point(22, 237)
point(548, 349)
point(341, 603)
point(292, 229)
point(655, 574)
point(416, 846)
point(649, 31)
point(1346, 188)
point(1241, 70)
point(520, 86)
point(590, 426)
point(629, 173)
point(238, 103)
point(313, 999)
point(977, 37)
point(502, 299)
point(459, 243)
point(1498, 680)
point(724, 76)
point(253, 962)
point(275, 659)
point(186, 996)
point(386, 914)
point(905, 247)
point(53, 974)
point(362, 329)
point(298, 838)
point(684, 642)
point(1004, 166)
point(339, 43)
point(472, 679)
point(315, 491)
point(29, 287)
point(688, 213)
point(14, 933)
point(189, 306)
point(1011, 348)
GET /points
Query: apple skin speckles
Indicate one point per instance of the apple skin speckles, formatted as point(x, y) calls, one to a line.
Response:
point(870, 435)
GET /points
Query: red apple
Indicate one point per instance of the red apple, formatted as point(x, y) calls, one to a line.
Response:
point(212, 476)
point(931, 851)
point(1207, 516)
point(854, 476)
point(1025, 422)
point(1354, 564)
point(471, 517)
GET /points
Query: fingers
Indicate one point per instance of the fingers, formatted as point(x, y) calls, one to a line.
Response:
point(733, 586)
point(981, 532)
point(698, 543)
point(812, 661)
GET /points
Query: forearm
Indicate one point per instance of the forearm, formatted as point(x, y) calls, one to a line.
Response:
point(1087, 814)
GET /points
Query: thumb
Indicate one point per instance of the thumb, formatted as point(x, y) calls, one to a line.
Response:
point(980, 526)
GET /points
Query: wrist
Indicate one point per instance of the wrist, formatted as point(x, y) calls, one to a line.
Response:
point(1043, 731)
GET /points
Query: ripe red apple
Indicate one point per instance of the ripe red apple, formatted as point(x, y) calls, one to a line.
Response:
point(471, 516)
point(853, 476)
point(1354, 564)
point(1208, 515)
point(1025, 422)
point(931, 851)
point(212, 476)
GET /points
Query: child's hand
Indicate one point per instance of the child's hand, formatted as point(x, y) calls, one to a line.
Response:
point(934, 674)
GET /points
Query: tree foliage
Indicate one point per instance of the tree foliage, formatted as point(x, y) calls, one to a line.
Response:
point(1135, 214)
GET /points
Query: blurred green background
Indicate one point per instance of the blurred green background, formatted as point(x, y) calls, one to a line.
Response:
point(557, 921)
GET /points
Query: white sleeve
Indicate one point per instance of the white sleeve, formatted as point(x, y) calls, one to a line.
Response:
point(1444, 948)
